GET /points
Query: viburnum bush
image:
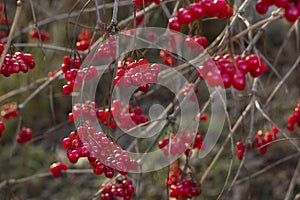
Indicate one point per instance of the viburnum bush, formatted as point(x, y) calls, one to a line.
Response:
point(67, 132)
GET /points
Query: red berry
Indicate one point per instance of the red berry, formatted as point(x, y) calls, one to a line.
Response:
point(240, 154)
point(290, 127)
point(67, 89)
point(239, 81)
point(291, 13)
point(210, 7)
point(281, 3)
point(197, 10)
point(174, 24)
point(261, 7)
point(222, 9)
point(73, 156)
point(109, 172)
point(226, 80)
point(57, 168)
point(240, 145)
point(66, 143)
point(184, 16)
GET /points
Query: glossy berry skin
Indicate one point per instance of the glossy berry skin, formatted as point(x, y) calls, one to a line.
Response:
point(121, 188)
point(184, 16)
point(227, 71)
point(239, 81)
point(291, 8)
point(174, 24)
point(291, 13)
point(261, 7)
point(294, 119)
point(103, 155)
point(181, 187)
point(74, 75)
point(18, 62)
point(73, 156)
point(136, 73)
point(210, 8)
point(197, 10)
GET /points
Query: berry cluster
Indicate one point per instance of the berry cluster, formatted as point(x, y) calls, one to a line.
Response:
point(86, 110)
point(127, 117)
point(102, 154)
point(57, 168)
point(83, 40)
point(261, 142)
point(291, 8)
point(35, 35)
point(166, 54)
point(108, 48)
point(24, 136)
point(196, 43)
point(226, 71)
point(9, 111)
point(74, 75)
point(188, 88)
point(181, 188)
point(136, 73)
point(2, 128)
point(294, 118)
point(241, 149)
point(167, 57)
point(218, 8)
point(120, 188)
point(181, 143)
point(15, 63)
point(144, 2)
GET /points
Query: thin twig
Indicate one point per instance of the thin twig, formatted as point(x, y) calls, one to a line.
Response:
point(46, 46)
point(40, 89)
point(267, 168)
point(216, 157)
point(12, 30)
point(292, 183)
point(273, 123)
point(37, 28)
point(274, 91)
